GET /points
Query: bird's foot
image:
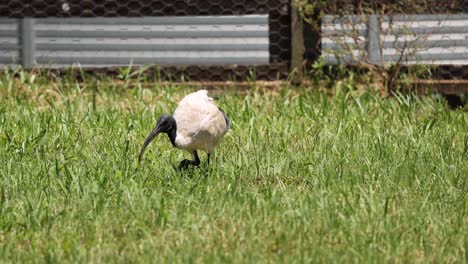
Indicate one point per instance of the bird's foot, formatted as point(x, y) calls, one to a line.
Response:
point(186, 163)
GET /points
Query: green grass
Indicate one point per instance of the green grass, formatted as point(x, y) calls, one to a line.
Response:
point(302, 177)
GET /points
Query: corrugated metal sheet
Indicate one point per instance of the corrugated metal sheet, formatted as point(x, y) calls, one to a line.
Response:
point(9, 41)
point(417, 39)
point(62, 42)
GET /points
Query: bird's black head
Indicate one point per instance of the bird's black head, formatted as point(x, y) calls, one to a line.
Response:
point(166, 124)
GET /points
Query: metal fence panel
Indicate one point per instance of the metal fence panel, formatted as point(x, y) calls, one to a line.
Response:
point(96, 42)
point(278, 12)
point(9, 41)
point(413, 39)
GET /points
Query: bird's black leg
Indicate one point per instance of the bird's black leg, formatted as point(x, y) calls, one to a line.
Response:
point(196, 159)
point(195, 162)
point(208, 159)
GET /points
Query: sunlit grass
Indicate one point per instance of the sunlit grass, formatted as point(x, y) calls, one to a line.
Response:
point(301, 177)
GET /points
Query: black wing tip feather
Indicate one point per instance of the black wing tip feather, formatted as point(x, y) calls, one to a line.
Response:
point(228, 123)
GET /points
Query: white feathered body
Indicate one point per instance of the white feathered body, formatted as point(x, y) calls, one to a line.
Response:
point(200, 123)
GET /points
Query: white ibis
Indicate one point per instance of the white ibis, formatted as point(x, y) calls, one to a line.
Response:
point(197, 124)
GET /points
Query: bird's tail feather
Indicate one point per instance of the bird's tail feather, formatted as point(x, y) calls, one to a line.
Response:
point(228, 123)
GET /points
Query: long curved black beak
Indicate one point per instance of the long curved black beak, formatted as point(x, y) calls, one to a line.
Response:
point(148, 140)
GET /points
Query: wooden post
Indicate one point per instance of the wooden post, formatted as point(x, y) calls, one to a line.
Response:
point(297, 45)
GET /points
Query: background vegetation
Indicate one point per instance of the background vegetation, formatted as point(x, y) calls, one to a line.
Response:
point(390, 76)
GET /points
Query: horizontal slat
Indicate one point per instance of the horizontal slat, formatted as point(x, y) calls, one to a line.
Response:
point(355, 52)
point(8, 46)
point(395, 56)
point(424, 24)
point(8, 33)
point(123, 28)
point(331, 59)
point(426, 31)
point(420, 57)
point(9, 26)
point(423, 44)
point(431, 37)
point(436, 50)
point(455, 58)
point(341, 39)
point(152, 34)
point(8, 59)
point(8, 20)
point(154, 41)
point(342, 45)
point(451, 17)
point(341, 32)
point(344, 29)
point(341, 27)
point(84, 65)
point(9, 65)
point(438, 62)
point(331, 19)
point(9, 40)
point(166, 60)
point(152, 47)
point(187, 20)
point(12, 52)
point(154, 54)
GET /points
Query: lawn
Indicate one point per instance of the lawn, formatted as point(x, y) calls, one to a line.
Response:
point(302, 176)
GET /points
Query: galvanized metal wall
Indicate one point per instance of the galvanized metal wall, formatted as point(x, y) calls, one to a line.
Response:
point(414, 39)
point(118, 41)
point(10, 41)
